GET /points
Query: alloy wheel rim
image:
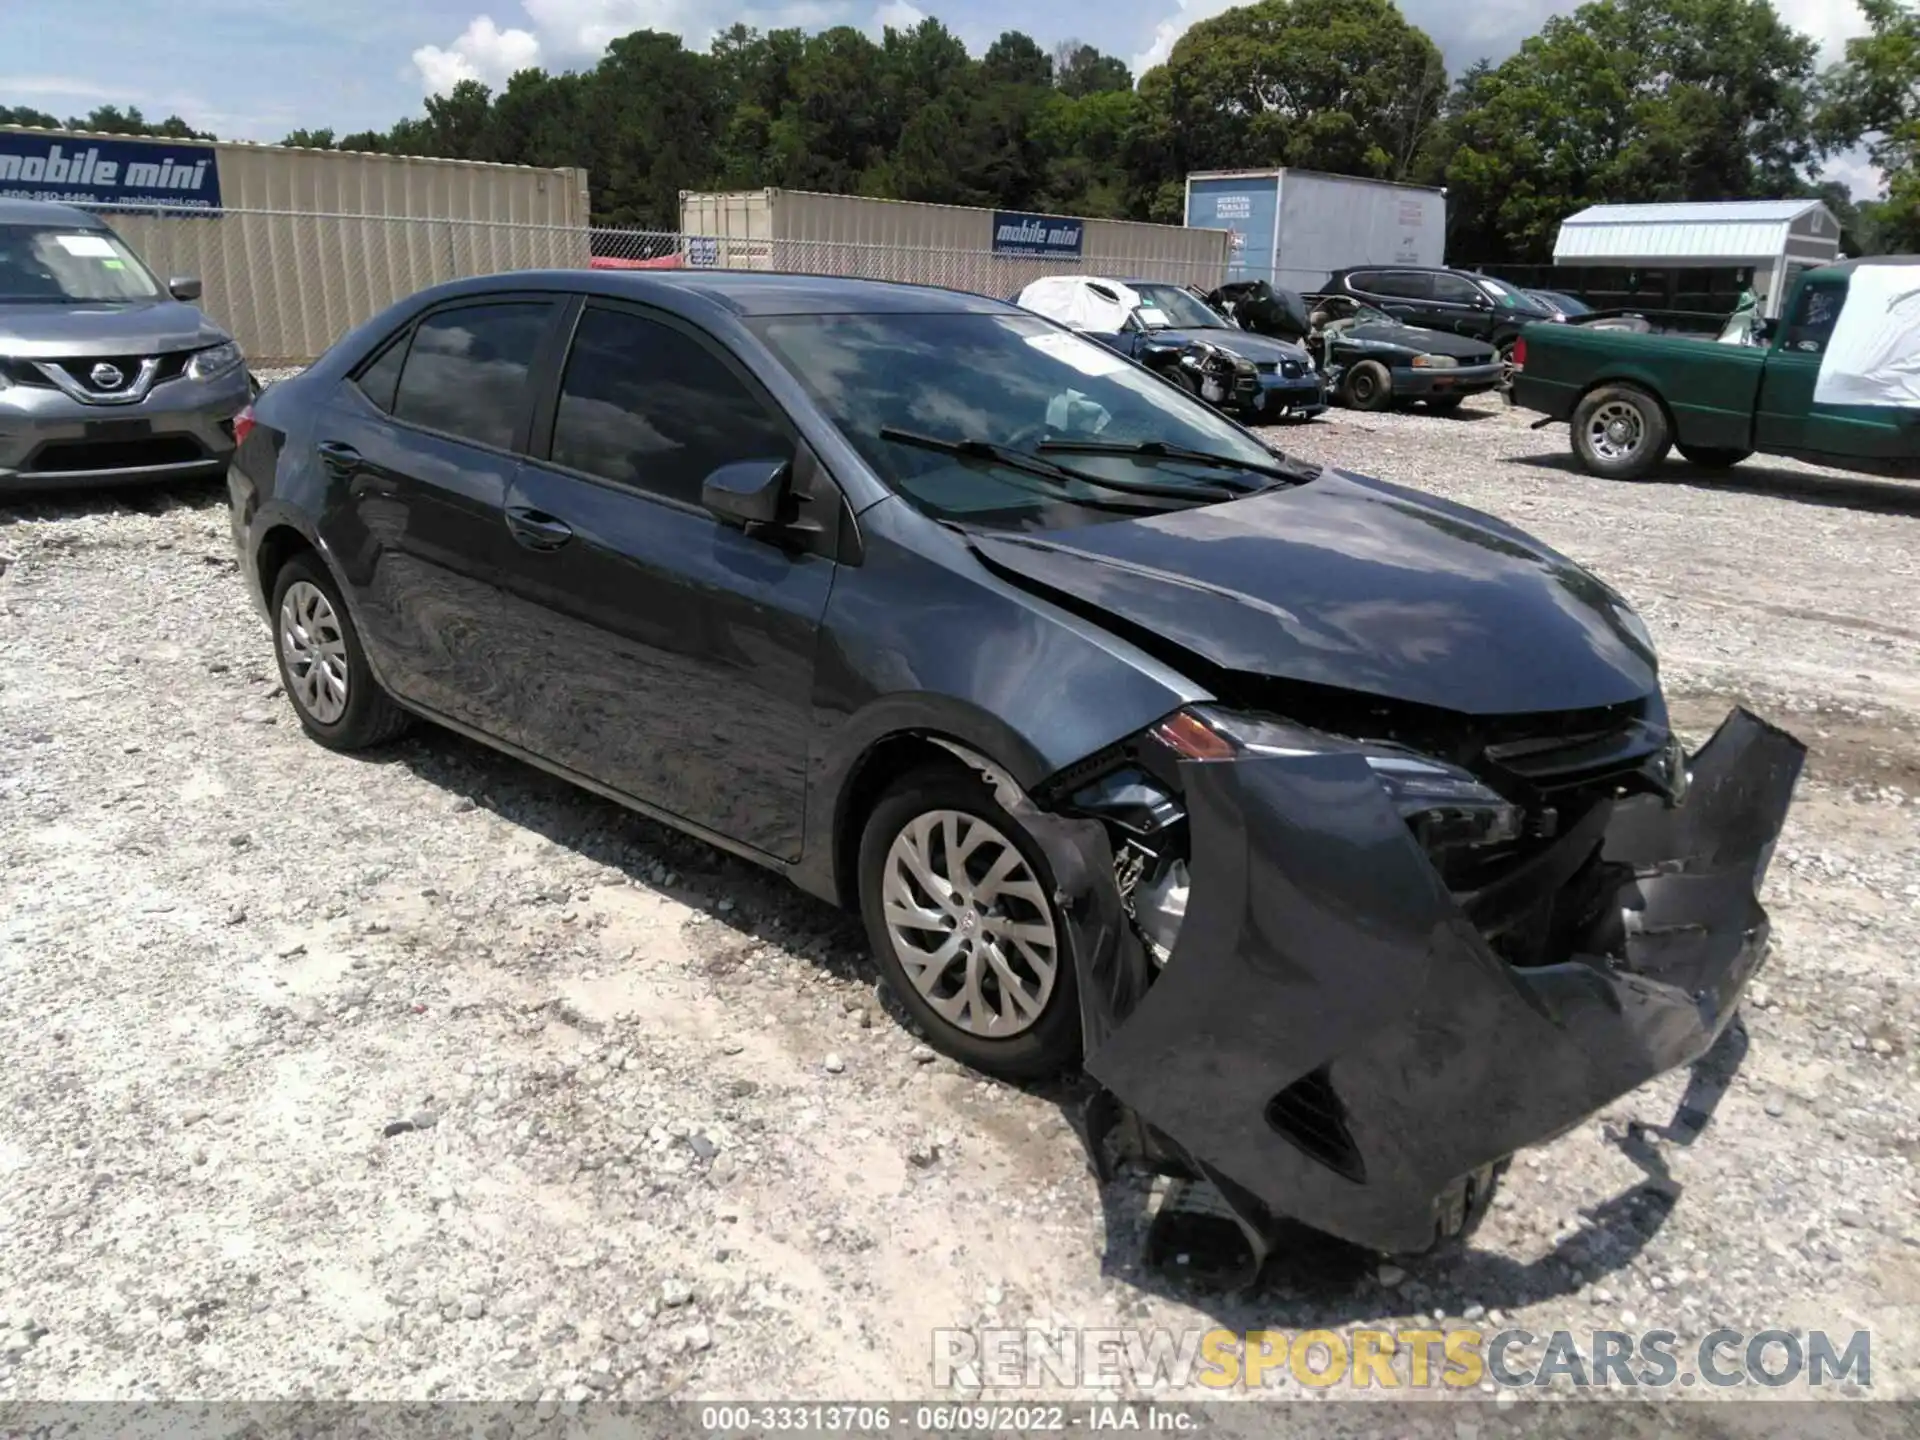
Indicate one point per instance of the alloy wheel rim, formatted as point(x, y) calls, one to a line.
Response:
point(1615, 430)
point(970, 924)
point(315, 650)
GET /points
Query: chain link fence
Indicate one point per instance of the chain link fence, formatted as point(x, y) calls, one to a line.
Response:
point(289, 283)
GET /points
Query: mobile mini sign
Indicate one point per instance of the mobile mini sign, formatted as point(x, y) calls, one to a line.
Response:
point(1049, 235)
point(112, 174)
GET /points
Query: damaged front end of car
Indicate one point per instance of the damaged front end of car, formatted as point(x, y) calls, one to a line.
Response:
point(1343, 979)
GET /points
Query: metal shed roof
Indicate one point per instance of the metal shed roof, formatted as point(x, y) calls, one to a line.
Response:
point(1731, 232)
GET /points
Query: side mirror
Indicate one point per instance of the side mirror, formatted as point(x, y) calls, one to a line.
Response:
point(184, 287)
point(748, 492)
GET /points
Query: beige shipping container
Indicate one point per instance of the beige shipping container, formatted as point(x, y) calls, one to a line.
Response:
point(309, 243)
point(949, 245)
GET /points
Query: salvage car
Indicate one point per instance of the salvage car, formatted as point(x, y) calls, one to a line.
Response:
point(1174, 331)
point(1374, 362)
point(1337, 829)
point(1462, 302)
point(1833, 383)
point(106, 375)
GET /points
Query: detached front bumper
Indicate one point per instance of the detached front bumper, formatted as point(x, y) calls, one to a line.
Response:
point(1415, 383)
point(1334, 1040)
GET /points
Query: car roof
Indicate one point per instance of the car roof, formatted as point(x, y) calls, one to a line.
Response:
point(743, 292)
point(47, 212)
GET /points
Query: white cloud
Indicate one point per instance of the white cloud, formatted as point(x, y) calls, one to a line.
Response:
point(895, 15)
point(1830, 22)
point(1863, 179)
point(483, 51)
point(1173, 27)
point(49, 86)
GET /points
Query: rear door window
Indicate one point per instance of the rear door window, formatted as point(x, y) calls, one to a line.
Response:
point(466, 374)
point(645, 404)
point(1814, 318)
point(380, 376)
point(1403, 285)
point(1453, 290)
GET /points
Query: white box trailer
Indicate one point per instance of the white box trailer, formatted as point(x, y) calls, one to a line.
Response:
point(990, 252)
point(1294, 228)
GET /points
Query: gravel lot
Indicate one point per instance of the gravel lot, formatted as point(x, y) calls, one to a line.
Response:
point(423, 1075)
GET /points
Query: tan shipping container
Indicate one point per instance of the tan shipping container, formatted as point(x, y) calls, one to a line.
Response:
point(309, 243)
point(949, 245)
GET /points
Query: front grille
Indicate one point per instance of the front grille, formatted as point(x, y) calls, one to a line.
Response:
point(68, 456)
point(1582, 756)
point(24, 372)
point(1267, 367)
point(1309, 1114)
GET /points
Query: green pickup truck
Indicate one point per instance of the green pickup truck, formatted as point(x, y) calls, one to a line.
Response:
point(1836, 382)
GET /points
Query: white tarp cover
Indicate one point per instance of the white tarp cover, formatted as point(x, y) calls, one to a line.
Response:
point(1078, 302)
point(1873, 357)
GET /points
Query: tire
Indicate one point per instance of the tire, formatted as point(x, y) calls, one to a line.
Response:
point(1444, 404)
point(1369, 386)
point(311, 620)
point(913, 818)
point(1505, 350)
point(1709, 457)
point(1620, 433)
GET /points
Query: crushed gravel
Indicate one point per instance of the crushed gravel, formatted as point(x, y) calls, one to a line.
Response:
point(424, 1075)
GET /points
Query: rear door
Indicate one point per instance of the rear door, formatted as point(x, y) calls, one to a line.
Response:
point(1407, 295)
point(655, 649)
point(1784, 421)
point(420, 448)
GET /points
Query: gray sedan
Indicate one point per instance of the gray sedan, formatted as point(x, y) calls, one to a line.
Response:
point(106, 376)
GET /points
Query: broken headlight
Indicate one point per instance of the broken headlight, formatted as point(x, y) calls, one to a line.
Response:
point(1443, 805)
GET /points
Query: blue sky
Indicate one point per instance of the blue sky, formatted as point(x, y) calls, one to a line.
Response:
point(255, 69)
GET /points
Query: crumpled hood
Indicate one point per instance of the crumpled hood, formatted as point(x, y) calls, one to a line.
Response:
point(1429, 342)
point(1353, 583)
point(1261, 349)
point(64, 332)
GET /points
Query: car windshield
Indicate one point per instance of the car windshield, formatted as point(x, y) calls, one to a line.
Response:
point(59, 264)
point(1568, 305)
point(1171, 306)
point(1013, 382)
point(1507, 296)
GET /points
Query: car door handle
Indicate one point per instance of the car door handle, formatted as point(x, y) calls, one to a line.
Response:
point(338, 456)
point(536, 529)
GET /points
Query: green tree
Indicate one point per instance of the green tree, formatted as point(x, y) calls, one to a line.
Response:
point(1079, 69)
point(27, 115)
point(1625, 101)
point(310, 140)
point(1014, 59)
point(1341, 85)
point(1873, 94)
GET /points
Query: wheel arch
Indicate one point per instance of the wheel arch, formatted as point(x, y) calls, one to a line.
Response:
point(959, 736)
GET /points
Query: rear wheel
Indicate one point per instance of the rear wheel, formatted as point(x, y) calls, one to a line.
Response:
point(323, 668)
point(1620, 433)
point(1710, 457)
point(1369, 386)
point(959, 907)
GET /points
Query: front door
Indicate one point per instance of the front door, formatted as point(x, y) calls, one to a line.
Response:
point(1784, 420)
point(420, 448)
point(657, 650)
point(1458, 307)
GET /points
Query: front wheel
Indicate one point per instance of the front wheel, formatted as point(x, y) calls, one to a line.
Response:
point(1711, 457)
point(1620, 433)
point(1369, 386)
point(959, 906)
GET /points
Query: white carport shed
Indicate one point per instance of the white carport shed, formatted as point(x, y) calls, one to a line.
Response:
point(1773, 238)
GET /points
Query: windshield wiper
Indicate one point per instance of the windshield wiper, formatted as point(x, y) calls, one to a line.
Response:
point(1290, 471)
point(1031, 464)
